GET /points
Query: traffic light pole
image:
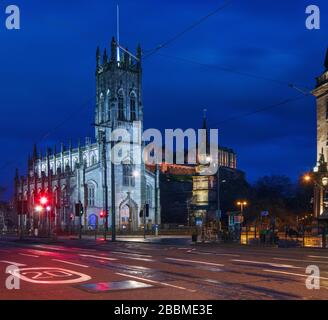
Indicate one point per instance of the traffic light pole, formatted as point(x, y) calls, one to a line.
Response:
point(80, 227)
point(113, 196)
point(144, 216)
point(105, 186)
point(112, 143)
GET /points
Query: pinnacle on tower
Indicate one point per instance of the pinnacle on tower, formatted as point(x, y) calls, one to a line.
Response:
point(113, 50)
point(126, 57)
point(139, 54)
point(326, 60)
point(98, 56)
point(105, 57)
point(35, 152)
point(204, 119)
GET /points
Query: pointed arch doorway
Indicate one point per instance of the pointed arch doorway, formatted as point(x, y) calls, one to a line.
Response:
point(128, 215)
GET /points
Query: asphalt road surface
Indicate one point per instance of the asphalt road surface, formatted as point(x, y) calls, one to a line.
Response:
point(77, 270)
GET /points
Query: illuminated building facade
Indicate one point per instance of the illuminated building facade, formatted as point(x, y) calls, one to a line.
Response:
point(83, 174)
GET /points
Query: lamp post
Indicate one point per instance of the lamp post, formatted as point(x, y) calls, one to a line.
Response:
point(242, 204)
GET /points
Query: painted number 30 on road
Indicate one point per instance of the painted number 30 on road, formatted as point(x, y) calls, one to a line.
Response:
point(49, 275)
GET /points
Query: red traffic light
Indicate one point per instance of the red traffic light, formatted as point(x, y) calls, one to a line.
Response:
point(102, 214)
point(43, 200)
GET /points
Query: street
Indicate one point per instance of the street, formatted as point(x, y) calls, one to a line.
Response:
point(73, 269)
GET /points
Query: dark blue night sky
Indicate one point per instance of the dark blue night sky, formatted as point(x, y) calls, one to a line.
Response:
point(47, 75)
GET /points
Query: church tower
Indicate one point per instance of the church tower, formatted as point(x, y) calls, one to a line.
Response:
point(119, 108)
point(118, 88)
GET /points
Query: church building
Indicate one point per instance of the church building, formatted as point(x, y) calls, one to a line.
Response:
point(85, 174)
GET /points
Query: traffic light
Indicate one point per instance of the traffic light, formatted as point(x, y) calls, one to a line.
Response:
point(78, 209)
point(102, 214)
point(43, 200)
point(141, 213)
point(147, 210)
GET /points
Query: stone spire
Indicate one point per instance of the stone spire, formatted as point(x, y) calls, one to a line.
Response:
point(98, 57)
point(126, 57)
point(35, 152)
point(16, 174)
point(204, 119)
point(113, 50)
point(205, 128)
point(105, 57)
point(139, 54)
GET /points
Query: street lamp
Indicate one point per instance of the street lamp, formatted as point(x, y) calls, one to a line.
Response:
point(242, 204)
point(307, 178)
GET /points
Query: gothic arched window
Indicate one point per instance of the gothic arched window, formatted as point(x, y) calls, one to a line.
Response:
point(91, 195)
point(121, 106)
point(133, 109)
point(93, 159)
point(128, 177)
point(149, 195)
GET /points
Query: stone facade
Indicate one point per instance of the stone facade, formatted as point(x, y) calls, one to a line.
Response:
point(320, 170)
point(83, 174)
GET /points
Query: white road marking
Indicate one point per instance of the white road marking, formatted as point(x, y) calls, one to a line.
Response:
point(196, 261)
point(51, 247)
point(140, 259)
point(28, 255)
point(97, 257)
point(291, 273)
point(72, 263)
point(13, 263)
point(214, 253)
point(156, 282)
point(50, 273)
point(212, 281)
point(226, 254)
point(132, 254)
point(301, 260)
point(318, 257)
point(268, 263)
